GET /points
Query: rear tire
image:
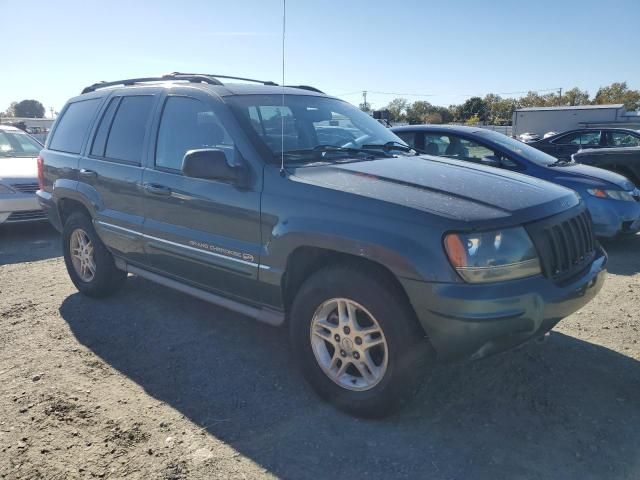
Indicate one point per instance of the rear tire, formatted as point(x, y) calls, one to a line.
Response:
point(334, 351)
point(90, 265)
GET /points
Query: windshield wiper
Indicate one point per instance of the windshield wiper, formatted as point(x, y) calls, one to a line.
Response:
point(319, 150)
point(392, 145)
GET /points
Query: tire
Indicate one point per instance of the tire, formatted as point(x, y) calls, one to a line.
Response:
point(105, 278)
point(409, 355)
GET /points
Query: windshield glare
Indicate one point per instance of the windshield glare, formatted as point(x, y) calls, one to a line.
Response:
point(520, 148)
point(16, 144)
point(309, 122)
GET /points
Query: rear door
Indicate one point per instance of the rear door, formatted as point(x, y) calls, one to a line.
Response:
point(203, 232)
point(615, 138)
point(111, 172)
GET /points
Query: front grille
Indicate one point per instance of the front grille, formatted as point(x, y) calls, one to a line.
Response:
point(566, 243)
point(26, 216)
point(25, 187)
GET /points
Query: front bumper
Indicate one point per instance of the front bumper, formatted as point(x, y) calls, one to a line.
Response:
point(612, 217)
point(463, 320)
point(19, 207)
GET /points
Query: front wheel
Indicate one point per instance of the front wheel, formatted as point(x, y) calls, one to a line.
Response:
point(358, 342)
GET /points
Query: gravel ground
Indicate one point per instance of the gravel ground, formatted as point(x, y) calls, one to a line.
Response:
point(154, 384)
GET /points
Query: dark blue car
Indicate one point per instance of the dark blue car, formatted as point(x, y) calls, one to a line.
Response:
point(612, 200)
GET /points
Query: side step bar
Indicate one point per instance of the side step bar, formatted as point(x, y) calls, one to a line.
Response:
point(271, 317)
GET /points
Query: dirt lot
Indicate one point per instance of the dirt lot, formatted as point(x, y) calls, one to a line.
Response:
point(155, 384)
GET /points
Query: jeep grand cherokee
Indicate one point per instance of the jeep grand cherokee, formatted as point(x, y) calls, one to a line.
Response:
point(298, 209)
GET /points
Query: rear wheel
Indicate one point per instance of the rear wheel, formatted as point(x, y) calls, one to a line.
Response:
point(90, 265)
point(358, 342)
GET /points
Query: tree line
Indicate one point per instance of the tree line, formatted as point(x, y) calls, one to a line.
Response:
point(496, 110)
point(26, 109)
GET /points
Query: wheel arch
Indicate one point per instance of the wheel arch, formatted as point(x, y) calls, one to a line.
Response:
point(306, 260)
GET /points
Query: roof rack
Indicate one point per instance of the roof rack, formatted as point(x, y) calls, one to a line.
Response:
point(194, 78)
point(306, 87)
point(227, 77)
point(189, 77)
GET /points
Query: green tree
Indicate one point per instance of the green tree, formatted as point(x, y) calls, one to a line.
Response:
point(417, 112)
point(575, 96)
point(499, 110)
point(29, 109)
point(618, 93)
point(398, 110)
point(434, 118)
point(472, 120)
point(11, 111)
point(474, 107)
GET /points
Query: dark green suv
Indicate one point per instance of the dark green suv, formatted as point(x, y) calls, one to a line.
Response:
point(297, 209)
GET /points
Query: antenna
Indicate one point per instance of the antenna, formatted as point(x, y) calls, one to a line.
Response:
point(284, 23)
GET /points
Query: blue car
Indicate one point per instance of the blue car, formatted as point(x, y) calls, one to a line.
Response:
point(612, 199)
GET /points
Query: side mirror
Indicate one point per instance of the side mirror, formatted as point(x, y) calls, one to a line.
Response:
point(491, 161)
point(210, 164)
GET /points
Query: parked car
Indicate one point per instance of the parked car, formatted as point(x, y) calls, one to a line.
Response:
point(379, 262)
point(549, 134)
point(625, 160)
point(18, 176)
point(612, 200)
point(528, 137)
point(565, 144)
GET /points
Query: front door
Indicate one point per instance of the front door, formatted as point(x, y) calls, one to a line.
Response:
point(569, 144)
point(204, 232)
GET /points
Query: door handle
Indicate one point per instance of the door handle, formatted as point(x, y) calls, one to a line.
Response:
point(88, 173)
point(155, 189)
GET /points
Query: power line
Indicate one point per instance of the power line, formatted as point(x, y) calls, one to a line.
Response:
point(359, 92)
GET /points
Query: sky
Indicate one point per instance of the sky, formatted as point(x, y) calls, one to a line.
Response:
point(441, 52)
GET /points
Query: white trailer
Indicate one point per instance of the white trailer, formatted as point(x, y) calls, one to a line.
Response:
point(540, 120)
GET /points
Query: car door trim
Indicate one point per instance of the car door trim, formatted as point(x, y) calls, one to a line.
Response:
point(180, 245)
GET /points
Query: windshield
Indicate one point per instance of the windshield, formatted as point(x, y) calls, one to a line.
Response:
point(17, 144)
point(521, 148)
point(312, 126)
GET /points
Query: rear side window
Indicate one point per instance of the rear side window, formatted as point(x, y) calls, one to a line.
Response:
point(100, 140)
point(73, 125)
point(125, 139)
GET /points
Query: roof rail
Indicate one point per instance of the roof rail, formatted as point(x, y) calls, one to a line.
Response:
point(189, 77)
point(212, 75)
point(194, 78)
point(306, 87)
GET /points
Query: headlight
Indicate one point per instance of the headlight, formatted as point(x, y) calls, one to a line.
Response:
point(5, 189)
point(492, 256)
point(613, 194)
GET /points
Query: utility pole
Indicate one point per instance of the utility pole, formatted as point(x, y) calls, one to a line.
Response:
point(51, 110)
point(364, 101)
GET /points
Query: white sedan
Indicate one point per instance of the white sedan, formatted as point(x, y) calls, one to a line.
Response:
point(18, 176)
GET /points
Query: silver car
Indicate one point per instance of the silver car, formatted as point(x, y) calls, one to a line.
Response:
point(18, 176)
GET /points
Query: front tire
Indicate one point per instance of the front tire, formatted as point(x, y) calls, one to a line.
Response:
point(358, 342)
point(90, 265)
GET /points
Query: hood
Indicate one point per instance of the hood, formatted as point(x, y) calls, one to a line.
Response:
point(15, 170)
point(589, 176)
point(445, 187)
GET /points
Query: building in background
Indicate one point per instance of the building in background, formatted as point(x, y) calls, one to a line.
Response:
point(540, 120)
point(38, 127)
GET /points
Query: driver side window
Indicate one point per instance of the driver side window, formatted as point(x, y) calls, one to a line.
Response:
point(189, 124)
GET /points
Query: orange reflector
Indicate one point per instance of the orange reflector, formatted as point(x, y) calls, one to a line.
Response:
point(456, 250)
